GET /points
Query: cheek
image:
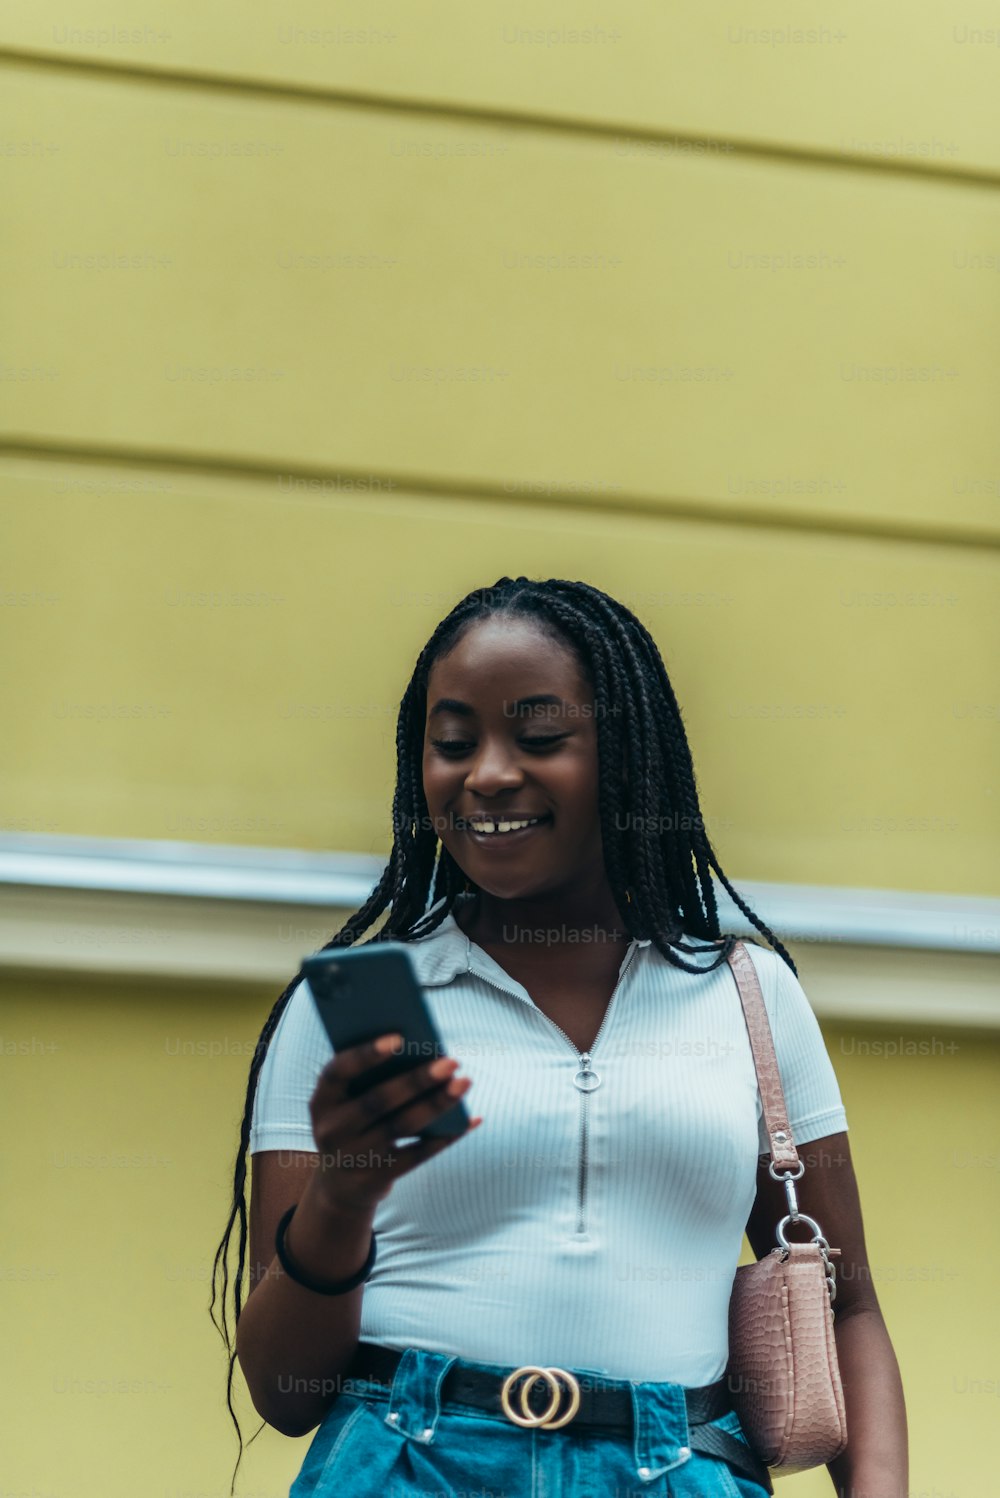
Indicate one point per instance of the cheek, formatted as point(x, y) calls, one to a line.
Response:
point(580, 788)
point(430, 781)
point(427, 776)
point(439, 779)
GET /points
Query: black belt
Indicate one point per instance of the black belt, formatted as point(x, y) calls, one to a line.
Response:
point(543, 1403)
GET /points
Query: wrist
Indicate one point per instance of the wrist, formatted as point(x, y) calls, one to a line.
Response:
point(319, 1207)
point(342, 1283)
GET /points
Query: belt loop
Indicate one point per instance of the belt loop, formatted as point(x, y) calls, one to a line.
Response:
point(662, 1439)
point(415, 1397)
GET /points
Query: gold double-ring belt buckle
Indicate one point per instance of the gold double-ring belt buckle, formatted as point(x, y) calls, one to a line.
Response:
point(550, 1375)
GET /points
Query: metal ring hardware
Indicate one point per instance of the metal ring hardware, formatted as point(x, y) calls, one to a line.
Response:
point(786, 1175)
point(831, 1282)
point(809, 1221)
point(544, 1420)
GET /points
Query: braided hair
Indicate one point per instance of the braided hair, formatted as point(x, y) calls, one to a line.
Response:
point(657, 854)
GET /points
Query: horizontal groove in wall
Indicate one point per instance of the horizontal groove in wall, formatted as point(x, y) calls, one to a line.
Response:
point(714, 147)
point(708, 509)
point(49, 934)
point(284, 876)
point(197, 870)
point(685, 430)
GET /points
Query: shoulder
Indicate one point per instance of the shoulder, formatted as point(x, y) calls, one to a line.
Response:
point(795, 1028)
point(794, 1025)
point(778, 983)
point(773, 973)
point(812, 1094)
point(765, 959)
point(300, 1031)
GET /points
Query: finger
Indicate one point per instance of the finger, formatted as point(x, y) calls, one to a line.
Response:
point(336, 1117)
point(417, 1115)
point(400, 1091)
point(393, 1091)
point(350, 1061)
point(410, 1155)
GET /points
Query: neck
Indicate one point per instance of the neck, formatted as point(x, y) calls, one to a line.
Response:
point(563, 915)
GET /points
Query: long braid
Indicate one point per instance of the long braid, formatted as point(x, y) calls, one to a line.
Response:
point(654, 866)
point(671, 714)
point(638, 656)
point(646, 769)
point(658, 857)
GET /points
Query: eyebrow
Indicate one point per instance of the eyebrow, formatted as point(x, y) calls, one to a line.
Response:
point(463, 710)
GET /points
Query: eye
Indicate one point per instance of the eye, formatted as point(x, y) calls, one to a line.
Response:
point(539, 741)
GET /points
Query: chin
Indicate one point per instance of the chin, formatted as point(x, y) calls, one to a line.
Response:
point(500, 886)
point(509, 891)
point(528, 886)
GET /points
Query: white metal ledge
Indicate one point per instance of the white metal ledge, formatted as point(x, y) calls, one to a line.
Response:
point(126, 908)
point(213, 871)
point(287, 876)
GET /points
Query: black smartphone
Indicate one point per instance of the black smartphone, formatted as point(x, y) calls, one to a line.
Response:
point(370, 991)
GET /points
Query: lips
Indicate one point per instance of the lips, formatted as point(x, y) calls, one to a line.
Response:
point(490, 826)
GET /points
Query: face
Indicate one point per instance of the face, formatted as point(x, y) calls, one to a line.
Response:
point(511, 738)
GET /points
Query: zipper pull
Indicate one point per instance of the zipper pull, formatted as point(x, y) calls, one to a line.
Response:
point(586, 1079)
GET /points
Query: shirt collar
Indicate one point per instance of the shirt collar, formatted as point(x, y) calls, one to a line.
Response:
point(447, 953)
point(441, 956)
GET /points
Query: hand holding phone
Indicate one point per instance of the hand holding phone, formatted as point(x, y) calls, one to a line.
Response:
point(388, 1080)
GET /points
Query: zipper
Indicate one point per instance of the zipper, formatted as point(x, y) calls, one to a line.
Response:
point(584, 1070)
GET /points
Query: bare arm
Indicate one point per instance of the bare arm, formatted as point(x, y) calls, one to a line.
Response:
point(294, 1344)
point(291, 1342)
point(875, 1462)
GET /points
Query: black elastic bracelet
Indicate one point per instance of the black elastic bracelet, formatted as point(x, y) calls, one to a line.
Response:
point(300, 1279)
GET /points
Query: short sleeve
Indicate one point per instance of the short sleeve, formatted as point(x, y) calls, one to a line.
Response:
point(297, 1053)
point(812, 1093)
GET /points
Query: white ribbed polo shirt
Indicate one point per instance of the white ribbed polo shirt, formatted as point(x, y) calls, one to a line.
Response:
point(596, 1230)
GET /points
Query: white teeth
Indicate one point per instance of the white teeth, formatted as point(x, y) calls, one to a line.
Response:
point(502, 825)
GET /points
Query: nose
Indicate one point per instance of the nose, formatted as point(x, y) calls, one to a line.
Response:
point(493, 770)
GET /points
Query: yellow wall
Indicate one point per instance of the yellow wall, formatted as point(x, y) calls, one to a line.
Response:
point(259, 644)
point(122, 1108)
point(352, 365)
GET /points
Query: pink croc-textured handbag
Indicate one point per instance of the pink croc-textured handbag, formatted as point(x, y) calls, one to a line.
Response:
point(783, 1372)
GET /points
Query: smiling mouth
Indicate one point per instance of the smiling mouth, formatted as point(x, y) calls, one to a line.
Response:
point(499, 826)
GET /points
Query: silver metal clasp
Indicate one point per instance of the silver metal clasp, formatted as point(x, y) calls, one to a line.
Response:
point(788, 1179)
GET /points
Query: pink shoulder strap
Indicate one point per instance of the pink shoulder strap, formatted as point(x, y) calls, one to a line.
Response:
point(772, 1096)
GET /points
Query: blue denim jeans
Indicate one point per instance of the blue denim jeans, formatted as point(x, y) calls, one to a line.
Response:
point(400, 1443)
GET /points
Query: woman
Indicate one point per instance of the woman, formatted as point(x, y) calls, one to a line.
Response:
point(551, 869)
